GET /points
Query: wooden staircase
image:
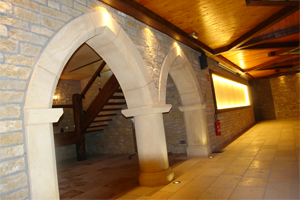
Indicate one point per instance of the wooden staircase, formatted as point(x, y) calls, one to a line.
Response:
point(97, 116)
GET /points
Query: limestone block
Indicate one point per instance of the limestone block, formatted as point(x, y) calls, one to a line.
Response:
point(29, 49)
point(27, 36)
point(13, 22)
point(9, 45)
point(41, 30)
point(54, 5)
point(19, 60)
point(12, 182)
point(9, 111)
point(3, 30)
point(81, 7)
point(41, 1)
point(67, 2)
point(5, 7)
point(30, 5)
point(192, 107)
point(11, 151)
point(10, 139)
point(22, 194)
point(42, 116)
point(54, 13)
point(39, 95)
point(51, 23)
point(26, 15)
point(12, 71)
point(9, 96)
point(11, 166)
point(70, 11)
point(82, 1)
point(12, 84)
point(131, 24)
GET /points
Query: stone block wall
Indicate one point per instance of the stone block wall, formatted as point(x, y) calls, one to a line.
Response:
point(262, 99)
point(285, 95)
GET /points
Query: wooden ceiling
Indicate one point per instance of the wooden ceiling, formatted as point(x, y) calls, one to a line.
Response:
point(249, 35)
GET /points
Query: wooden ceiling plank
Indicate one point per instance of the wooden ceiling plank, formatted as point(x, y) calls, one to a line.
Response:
point(143, 14)
point(271, 3)
point(275, 45)
point(222, 58)
point(275, 35)
point(283, 13)
point(280, 59)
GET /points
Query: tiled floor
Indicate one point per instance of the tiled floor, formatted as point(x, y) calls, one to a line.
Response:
point(261, 164)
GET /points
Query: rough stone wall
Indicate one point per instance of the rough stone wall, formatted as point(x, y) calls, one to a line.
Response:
point(26, 28)
point(262, 99)
point(285, 95)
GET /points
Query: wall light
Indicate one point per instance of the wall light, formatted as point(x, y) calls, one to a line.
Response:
point(55, 98)
point(194, 35)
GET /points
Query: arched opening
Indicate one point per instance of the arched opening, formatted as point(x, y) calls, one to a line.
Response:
point(105, 36)
point(177, 65)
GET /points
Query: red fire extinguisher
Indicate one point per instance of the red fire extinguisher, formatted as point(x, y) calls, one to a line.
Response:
point(217, 126)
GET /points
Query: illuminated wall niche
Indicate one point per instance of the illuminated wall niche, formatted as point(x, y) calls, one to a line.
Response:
point(228, 94)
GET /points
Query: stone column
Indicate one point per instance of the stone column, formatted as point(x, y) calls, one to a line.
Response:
point(196, 130)
point(151, 144)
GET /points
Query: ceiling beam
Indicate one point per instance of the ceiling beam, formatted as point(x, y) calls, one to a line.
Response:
point(143, 14)
point(283, 52)
point(271, 63)
point(275, 45)
point(271, 3)
point(280, 67)
point(222, 58)
point(287, 72)
point(283, 13)
point(271, 36)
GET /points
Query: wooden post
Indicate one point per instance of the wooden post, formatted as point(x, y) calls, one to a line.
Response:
point(78, 113)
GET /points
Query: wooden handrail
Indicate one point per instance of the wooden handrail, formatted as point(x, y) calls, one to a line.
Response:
point(63, 106)
point(91, 81)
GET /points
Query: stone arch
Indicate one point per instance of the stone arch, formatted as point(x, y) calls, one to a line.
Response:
point(183, 75)
point(110, 41)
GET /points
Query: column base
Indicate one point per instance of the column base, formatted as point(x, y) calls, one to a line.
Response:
point(152, 179)
point(198, 151)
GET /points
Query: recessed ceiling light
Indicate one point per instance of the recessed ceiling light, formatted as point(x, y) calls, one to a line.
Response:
point(194, 35)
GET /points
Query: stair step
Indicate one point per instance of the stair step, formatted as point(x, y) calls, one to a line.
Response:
point(117, 97)
point(110, 109)
point(119, 90)
point(101, 129)
point(97, 126)
point(106, 115)
point(115, 103)
point(103, 120)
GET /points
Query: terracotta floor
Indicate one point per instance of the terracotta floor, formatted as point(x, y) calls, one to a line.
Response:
point(261, 164)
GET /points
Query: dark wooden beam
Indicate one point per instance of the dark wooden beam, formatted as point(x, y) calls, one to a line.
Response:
point(282, 52)
point(91, 81)
point(97, 126)
point(65, 138)
point(279, 67)
point(62, 106)
point(115, 103)
point(222, 58)
point(103, 120)
point(275, 45)
point(143, 14)
point(283, 13)
point(95, 130)
point(280, 74)
point(271, 3)
point(270, 63)
point(117, 97)
point(272, 36)
point(110, 109)
point(86, 65)
point(106, 115)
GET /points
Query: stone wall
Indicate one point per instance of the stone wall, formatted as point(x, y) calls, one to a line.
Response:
point(285, 95)
point(262, 99)
point(26, 28)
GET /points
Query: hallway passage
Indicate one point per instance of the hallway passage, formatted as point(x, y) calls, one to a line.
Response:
point(263, 163)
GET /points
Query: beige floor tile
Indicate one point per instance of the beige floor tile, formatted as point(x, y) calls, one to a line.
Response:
point(190, 175)
point(228, 157)
point(216, 193)
point(254, 182)
point(257, 173)
point(278, 190)
point(270, 150)
point(171, 187)
point(241, 163)
point(141, 190)
point(212, 172)
point(285, 153)
point(226, 181)
point(219, 164)
point(285, 158)
point(188, 193)
point(269, 146)
point(257, 164)
point(242, 192)
point(201, 182)
point(264, 157)
point(162, 195)
point(235, 170)
point(129, 196)
point(276, 176)
point(285, 166)
point(201, 165)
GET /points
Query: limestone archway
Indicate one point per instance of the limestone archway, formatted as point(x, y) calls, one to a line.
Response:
point(183, 75)
point(109, 40)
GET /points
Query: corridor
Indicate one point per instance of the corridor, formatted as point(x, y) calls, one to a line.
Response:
point(261, 164)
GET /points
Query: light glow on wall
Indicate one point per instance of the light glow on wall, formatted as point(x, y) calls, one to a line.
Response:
point(230, 94)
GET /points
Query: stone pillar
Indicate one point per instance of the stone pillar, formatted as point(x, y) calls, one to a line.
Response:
point(196, 130)
point(151, 144)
